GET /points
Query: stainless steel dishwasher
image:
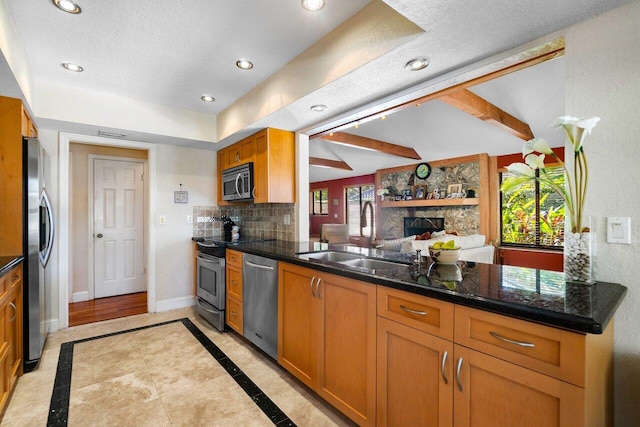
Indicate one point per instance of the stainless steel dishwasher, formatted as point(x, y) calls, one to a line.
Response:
point(260, 302)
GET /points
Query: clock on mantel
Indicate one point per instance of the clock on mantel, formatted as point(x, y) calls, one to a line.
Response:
point(423, 170)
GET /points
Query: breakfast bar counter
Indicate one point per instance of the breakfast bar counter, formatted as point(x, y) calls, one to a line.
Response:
point(530, 294)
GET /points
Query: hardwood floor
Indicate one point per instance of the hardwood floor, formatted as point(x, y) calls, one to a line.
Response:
point(81, 313)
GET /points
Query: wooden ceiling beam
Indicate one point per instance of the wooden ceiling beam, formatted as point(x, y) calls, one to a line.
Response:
point(372, 144)
point(328, 163)
point(469, 102)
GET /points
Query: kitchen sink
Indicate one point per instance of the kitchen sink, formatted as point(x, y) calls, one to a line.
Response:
point(373, 264)
point(351, 259)
point(330, 256)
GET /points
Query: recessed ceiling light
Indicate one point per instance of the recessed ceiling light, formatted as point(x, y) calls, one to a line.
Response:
point(244, 64)
point(67, 6)
point(318, 107)
point(313, 5)
point(72, 67)
point(417, 64)
point(207, 98)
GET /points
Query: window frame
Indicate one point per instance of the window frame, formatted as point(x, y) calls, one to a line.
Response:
point(360, 202)
point(536, 245)
point(313, 201)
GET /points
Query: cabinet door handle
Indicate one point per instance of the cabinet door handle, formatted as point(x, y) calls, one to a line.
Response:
point(520, 343)
point(318, 288)
point(408, 310)
point(311, 286)
point(444, 374)
point(15, 312)
point(458, 373)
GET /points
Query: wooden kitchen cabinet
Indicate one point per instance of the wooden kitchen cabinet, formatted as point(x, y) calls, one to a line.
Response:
point(492, 392)
point(531, 374)
point(327, 337)
point(15, 123)
point(498, 371)
point(233, 272)
point(415, 377)
point(10, 332)
point(272, 152)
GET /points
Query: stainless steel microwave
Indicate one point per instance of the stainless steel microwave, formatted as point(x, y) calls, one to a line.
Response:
point(237, 183)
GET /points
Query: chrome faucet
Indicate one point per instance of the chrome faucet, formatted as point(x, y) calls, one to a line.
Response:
point(363, 220)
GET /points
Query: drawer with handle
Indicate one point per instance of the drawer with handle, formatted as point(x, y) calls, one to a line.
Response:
point(551, 351)
point(420, 312)
point(234, 258)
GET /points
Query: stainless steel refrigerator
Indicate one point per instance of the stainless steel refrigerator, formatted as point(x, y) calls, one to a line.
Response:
point(38, 229)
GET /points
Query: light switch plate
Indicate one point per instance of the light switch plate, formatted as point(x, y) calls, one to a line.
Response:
point(619, 230)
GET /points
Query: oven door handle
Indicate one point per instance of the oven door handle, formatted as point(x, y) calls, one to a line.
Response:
point(209, 260)
point(205, 308)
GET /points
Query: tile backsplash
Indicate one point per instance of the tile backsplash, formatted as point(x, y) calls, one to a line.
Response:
point(262, 221)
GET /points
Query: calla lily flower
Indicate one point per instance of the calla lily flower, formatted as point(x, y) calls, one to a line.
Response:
point(575, 190)
point(520, 169)
point(538, 145)
point(534, 161)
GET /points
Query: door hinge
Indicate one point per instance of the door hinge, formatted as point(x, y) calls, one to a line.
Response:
point(142, 177)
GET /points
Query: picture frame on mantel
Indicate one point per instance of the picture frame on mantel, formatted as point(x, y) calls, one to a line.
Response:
point(419, 192)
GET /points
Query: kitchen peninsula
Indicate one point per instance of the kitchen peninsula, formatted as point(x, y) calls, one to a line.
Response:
point(396, 343)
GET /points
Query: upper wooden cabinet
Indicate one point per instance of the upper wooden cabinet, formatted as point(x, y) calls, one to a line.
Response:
point(15, 123)
point(272, 152)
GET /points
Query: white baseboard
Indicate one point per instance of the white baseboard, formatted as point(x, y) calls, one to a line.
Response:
point(172, 304)
point(80, 296)
point(51, 325)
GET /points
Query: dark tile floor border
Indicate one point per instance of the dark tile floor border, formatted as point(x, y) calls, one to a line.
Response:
point(59, 407)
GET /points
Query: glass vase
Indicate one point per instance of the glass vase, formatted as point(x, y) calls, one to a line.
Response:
point(578, 257)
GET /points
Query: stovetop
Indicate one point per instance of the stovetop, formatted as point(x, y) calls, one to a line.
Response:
point(217, 247)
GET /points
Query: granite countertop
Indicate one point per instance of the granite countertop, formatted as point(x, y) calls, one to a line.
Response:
point(537, 295)
point(8, 262)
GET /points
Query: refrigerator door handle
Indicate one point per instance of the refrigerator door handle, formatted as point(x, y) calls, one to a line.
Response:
point(46, 228)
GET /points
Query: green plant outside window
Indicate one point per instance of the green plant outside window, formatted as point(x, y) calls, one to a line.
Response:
point(532, 215)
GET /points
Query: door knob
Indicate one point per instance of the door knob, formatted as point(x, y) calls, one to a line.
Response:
point(99, 235)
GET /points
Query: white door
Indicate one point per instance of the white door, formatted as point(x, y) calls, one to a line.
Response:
point(118, 227)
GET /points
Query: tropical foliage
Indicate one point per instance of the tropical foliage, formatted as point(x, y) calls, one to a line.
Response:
point(534, 169)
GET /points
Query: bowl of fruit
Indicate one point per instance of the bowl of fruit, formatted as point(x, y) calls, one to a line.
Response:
point(445, 252)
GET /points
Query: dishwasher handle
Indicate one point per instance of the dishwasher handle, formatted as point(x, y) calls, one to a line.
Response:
point(264, 267)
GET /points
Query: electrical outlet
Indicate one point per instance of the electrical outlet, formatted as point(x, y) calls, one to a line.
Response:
point(189, 219)
point(287, 219)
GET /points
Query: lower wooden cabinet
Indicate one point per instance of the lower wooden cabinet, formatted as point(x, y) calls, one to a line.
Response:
point(10, 332)
point(492, 392)
point(327, 337)
point(415, 377)
point(234, 308)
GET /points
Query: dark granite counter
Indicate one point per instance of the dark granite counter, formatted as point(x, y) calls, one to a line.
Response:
point(536, 295)
point(8, 262)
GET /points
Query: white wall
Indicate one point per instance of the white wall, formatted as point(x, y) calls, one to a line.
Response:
point(196, 171)
point(603, 79)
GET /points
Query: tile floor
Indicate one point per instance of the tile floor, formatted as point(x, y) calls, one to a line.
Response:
point(161, 376)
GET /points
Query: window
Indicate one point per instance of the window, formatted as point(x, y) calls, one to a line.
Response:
point(320, 202)
point(355, 199)
point(533, 215)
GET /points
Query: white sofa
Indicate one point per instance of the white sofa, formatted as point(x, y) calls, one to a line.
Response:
point(473, 246)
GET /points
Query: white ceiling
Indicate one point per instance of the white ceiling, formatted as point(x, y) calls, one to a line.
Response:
point(438, 131)
point(171, 52)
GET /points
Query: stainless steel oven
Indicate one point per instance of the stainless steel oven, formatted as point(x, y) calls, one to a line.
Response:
point(211, 288)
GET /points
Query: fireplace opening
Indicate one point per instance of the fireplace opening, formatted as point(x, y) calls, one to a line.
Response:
point(418, 225)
